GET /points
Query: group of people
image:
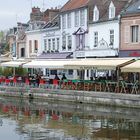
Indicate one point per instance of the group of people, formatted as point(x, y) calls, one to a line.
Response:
point(36, 78)
point(57, 78)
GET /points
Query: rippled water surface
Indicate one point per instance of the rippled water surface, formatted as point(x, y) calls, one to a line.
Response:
point(39, 120)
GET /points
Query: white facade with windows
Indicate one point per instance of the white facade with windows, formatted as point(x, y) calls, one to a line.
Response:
point(103, 39)
point(71, 21)
point(51, 40)
point(33, 43)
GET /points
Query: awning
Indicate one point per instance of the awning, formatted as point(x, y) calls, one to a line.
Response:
point(58, 55)
point(50, 64)
point(13, 64)
point(133, 67)
point(99, 63)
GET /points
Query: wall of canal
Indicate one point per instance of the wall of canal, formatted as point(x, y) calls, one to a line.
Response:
point(90, 97)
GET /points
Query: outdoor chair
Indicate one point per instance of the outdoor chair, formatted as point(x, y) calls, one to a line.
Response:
point(27, 83)
point(14, 82)
point(7, 82)
point(55, 84)
point(42, 83)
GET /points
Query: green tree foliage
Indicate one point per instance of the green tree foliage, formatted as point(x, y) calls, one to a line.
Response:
point(7, 71)
point(21, 71)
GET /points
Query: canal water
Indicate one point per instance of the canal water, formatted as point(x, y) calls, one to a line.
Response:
point(40, 120)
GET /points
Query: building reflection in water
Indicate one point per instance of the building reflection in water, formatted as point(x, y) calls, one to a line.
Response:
point(42, 120)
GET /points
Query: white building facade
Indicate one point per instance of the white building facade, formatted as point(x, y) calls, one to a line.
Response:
point(33, 43)
point(103, 39)
point(73, 27)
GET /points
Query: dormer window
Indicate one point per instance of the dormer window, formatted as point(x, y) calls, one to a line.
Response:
point(111, 10)
point(96, 14)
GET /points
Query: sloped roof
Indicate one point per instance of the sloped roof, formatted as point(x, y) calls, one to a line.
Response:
point(103, 7)
point(74, 4)
point(133, 9)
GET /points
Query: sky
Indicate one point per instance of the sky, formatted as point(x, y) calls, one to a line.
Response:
point(13, 11)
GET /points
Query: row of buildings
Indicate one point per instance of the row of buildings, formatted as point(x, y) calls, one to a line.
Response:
point(80, 29)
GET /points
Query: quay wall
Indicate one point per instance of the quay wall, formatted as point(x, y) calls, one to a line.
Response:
point(90, 97)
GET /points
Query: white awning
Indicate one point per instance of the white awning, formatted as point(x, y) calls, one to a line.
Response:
point(50, 64)
point(97, 63)
point(13, 64)
point(133, 67)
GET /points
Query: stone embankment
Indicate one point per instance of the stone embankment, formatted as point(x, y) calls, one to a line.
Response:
point(105, 98)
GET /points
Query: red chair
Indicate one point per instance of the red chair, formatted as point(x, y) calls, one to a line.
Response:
point(14, 81)
point(42, 83)
point(7, 81)
point(55, 83)
point(27, 82)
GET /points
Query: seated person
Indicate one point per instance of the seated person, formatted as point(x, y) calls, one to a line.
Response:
point(56, 77)
point(63, 77)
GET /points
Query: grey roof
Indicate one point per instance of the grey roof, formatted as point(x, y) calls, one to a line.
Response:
point(55, 55)
point(132, 9)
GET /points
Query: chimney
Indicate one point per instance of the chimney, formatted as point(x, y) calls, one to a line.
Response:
point(35, 10)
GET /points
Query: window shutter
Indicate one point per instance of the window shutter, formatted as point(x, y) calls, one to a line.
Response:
point(126, 34)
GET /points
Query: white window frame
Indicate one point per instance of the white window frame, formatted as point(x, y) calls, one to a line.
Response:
point(69, 20)
point(63, 21)
point(95, 39)
point(58, 41)
point(64, 42)
point(96, 14)
point(82, 17)
point(112, 10)
point(45, 44)
point(135, 33)
point(69, 42)
point(111, 32)
point(49, 44)
point(53, 44)
point(76, 18)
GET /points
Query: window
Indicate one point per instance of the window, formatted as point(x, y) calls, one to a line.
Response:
point(57, 44)
point(45, 44)
point(95, 39)
point(49, 44)
point(76, 18)
point(30, 46)
point(70, 72)
point(53, 44)
point(63, 21)
point(82, 17)
point(53, 72)
point(64, 42)
point(69, 20)
point(111, 37)
point(22, 52)
point(69, 42)
point(96, 14)
point(111, 10)
point(35, 46)
point(134, 33)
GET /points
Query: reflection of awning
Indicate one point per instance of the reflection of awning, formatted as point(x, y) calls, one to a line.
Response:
point(100, 63)
point(133, 67)
point(50, 64)
point(13, 64)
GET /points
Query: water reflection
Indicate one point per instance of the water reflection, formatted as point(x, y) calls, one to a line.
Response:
point(39, 120)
